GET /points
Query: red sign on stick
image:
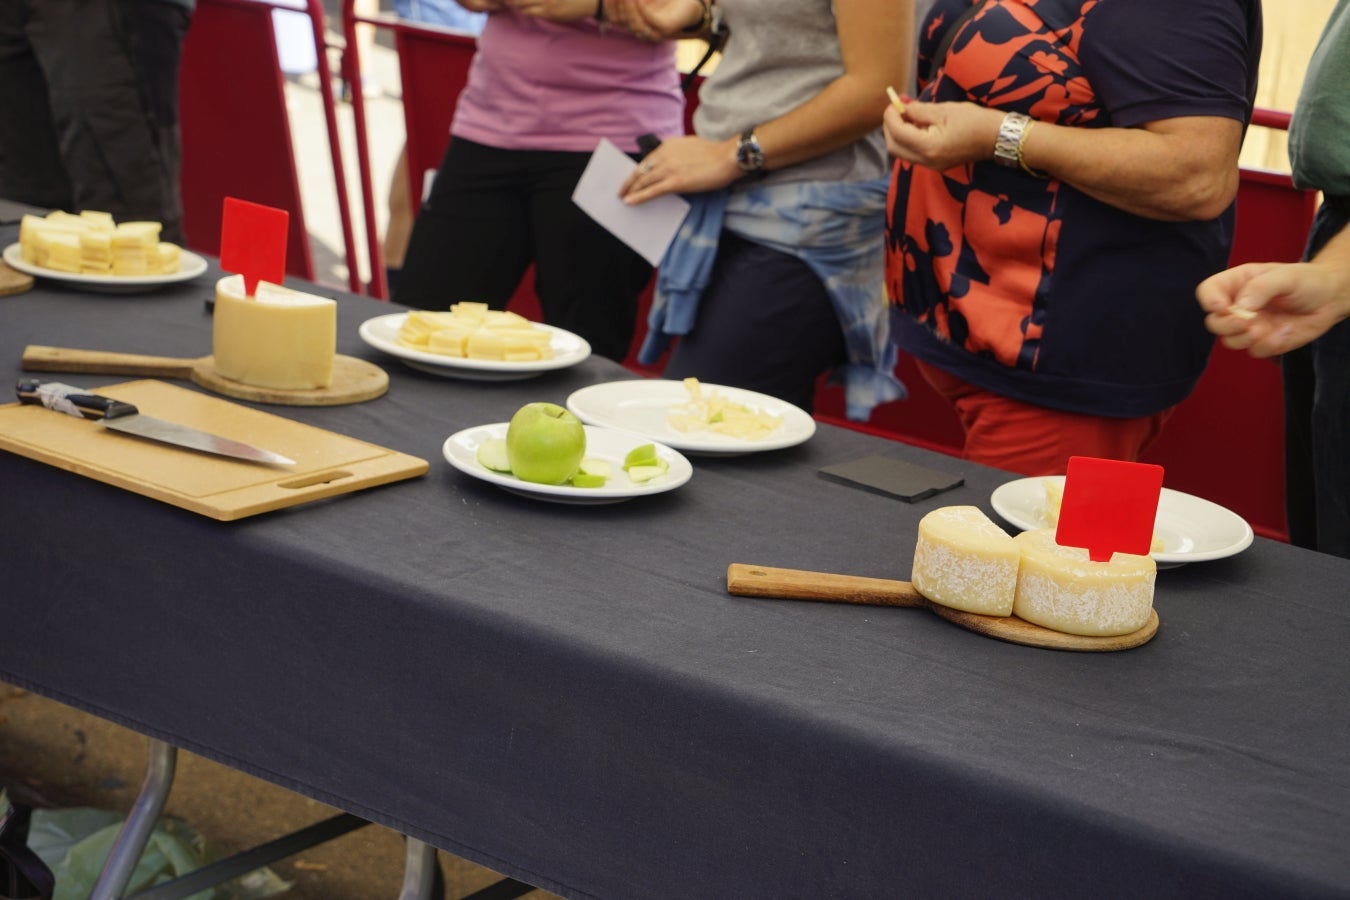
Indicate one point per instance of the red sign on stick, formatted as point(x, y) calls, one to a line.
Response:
point(253, 242)
point(1109, 506)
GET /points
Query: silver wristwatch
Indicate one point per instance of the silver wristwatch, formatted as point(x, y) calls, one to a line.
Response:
point(1008, 147)
point(749, 154)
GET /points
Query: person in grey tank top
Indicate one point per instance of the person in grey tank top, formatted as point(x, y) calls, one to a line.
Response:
point(786, 172)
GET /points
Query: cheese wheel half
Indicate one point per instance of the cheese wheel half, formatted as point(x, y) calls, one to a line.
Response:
point(965, 561)
point(279, 338)
point(1063, 589)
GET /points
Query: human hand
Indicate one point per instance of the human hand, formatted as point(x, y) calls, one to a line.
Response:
point(482, 6)
point(1272, 308)
point(682, 165)
point(941, 135)
point(652, 20)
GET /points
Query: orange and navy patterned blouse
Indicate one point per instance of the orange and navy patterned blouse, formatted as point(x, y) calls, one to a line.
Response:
point(1029, 287)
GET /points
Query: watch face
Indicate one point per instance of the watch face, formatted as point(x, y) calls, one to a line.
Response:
point(749, 155)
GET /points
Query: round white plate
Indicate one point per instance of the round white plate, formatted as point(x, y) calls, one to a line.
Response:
point(381, 333)
point(642, 406)
point(1191, 529)
point(461, 451)
point(190, 266)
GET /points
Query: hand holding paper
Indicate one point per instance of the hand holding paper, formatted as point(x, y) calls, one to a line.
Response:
point(648, 227)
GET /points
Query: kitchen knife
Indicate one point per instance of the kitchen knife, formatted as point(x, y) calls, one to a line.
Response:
point(126, 418)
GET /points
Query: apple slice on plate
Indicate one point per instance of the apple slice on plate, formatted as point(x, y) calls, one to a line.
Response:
point(603, 445)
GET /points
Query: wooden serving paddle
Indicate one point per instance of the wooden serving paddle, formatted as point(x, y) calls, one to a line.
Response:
point(13, 281)
point(354, 380)
point(796, 584)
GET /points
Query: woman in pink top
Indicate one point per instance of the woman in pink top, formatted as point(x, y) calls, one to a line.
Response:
point(549, 81)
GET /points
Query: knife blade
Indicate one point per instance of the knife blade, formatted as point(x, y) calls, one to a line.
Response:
point(118, 415)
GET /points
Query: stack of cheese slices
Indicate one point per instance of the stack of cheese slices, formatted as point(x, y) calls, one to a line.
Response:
point(470, 330)
point(91, 243)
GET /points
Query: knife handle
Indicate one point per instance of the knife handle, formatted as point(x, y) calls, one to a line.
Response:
point(72, 400)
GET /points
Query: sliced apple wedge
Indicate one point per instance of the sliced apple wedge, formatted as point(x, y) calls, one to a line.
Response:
point(641, 455)
point(492, 455)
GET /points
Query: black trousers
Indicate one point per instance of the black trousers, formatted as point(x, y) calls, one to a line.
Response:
point(765, 323)
point(1317, 421)
point(492, 213)
point(89, 89)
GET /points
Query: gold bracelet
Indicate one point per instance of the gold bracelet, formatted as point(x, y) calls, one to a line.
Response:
point(1021, 144)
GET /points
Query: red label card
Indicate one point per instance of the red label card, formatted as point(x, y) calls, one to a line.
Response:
point(1109, 506)
point(253, 242)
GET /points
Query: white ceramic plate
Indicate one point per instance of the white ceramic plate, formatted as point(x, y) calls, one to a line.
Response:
point(642, 406)
point(461, 451)
point(1191, 529)
point(381, 333)
point(190, 266)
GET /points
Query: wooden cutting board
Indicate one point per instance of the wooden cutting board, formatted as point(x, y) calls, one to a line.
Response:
point(795, 584)
point(327, 464)
point(354, 380)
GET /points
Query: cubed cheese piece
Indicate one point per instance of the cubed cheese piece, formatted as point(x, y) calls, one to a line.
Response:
point(1062, 589)
point(964, 561)
point(280, 338)
point(61, 251)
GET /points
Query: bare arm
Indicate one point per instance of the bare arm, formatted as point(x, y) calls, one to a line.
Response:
point(874, 38)
point(1178, 169)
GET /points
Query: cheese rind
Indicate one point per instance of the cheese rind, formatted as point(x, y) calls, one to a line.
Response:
point(1063, 589)
point(964, 561)
point(278, 338)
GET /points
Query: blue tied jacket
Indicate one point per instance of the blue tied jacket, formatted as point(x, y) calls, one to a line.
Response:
point(836, 228)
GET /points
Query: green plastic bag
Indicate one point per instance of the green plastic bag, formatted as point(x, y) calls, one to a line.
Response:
point(74, 843)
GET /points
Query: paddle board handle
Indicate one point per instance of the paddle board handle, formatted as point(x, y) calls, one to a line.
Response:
point(796, 584)
point(37, 358)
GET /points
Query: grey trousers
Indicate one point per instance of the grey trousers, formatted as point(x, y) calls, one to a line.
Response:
point(89, 100)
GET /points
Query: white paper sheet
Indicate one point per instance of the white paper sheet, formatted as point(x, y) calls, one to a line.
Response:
point(649, 227)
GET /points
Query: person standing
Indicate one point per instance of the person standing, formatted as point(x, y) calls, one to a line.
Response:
point(1299, 310)
point(1065, 181)
point(775, 278)
point(549, 79)
point(90, 93)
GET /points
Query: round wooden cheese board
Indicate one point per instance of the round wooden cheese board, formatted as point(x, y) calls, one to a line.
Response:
point(354, 380)
point(12, 281)
point(795, 584)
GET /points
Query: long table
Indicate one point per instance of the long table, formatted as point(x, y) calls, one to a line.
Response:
point(569, 695)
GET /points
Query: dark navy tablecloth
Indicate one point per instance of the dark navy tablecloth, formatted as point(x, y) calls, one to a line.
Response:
point(569, 696)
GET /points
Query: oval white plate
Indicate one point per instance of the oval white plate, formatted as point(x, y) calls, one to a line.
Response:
point(190, 265)
point(643, 406)
point(461, 451)
point(1191, 529)
point(381, 333)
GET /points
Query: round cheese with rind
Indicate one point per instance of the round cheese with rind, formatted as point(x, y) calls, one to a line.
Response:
point(965, 561)
point(1062, 588)
point(278, 338)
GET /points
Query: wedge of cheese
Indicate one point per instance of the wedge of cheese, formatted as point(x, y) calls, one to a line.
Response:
point(1061, 588)
point(964, 561)
point(279, 338)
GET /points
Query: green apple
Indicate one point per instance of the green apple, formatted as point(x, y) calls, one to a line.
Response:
point(544, 443)
point(492, 455)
